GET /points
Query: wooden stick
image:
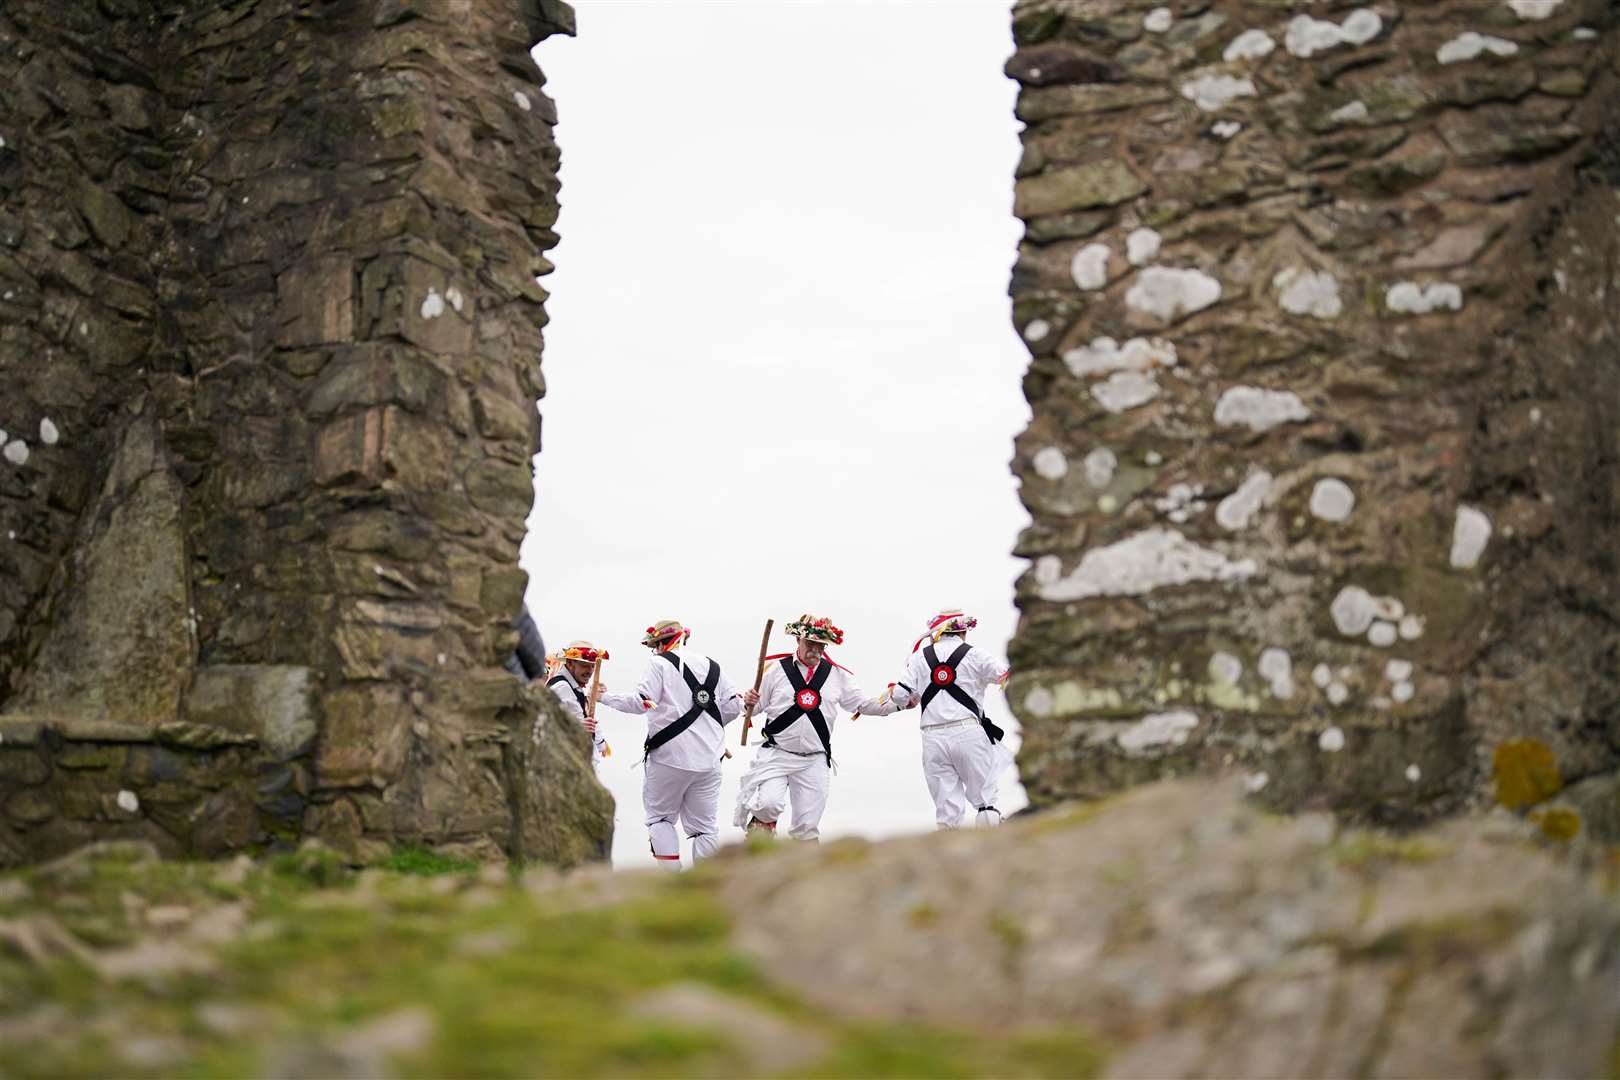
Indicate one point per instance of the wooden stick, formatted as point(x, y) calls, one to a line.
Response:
point(759, 675)
point(596, 692)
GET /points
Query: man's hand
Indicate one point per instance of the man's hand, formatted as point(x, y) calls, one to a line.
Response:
point(750, 698)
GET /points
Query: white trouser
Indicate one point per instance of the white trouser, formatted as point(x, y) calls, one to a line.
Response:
point(960, 764)
point(775, 776)
point(668, 793)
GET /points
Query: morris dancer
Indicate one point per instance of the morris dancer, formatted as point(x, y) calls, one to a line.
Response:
point(801, 694)
point(687, 702)
point(961, 748)
point(570, 680)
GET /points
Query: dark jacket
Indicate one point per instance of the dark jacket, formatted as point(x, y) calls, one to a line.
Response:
point(528, 661)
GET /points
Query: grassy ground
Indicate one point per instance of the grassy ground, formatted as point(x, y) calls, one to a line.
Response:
point(422, 969)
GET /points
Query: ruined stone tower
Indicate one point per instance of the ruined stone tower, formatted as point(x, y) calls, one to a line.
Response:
point(1326, 391)
point(271, 327)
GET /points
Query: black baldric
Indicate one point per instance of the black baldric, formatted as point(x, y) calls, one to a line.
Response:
point(555, 679)
point(702, 702)
point(943, 677)
point(806, 702)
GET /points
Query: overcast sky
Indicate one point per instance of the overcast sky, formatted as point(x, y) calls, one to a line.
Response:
point(781, 372)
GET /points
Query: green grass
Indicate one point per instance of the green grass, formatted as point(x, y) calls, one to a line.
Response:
point(517, 984)
point(425, 863)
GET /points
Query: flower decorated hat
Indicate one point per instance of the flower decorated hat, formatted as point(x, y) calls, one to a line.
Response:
point(811, 628)
point(584, 650)
point(665, 634)
point(949, 621)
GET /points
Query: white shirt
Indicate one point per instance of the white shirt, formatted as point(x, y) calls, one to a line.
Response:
point(568, 694)
point(975, 673)
point(698, 748)
point(838, 692)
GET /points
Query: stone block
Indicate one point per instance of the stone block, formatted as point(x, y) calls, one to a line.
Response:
point(23, 765)
point(437, 309)
point(275, 703)
point(1080, 187)
point(378, 375)
point(349, 450)
point(30, 806)
point(364, 736)
point(504, 489)
point(315, 303)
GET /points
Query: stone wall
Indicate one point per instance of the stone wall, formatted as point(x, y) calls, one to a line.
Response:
point(1323, 460)
point(270, 326)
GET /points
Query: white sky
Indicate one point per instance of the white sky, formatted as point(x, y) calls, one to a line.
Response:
point(781, 372)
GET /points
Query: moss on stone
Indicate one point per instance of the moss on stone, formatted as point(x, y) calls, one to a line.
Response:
point(1526, 773)
point(1558, 823)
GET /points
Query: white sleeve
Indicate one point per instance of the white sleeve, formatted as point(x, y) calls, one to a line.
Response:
point(910, 685)
point(854, 700)
point(725, 693)
point(634, 704)
point(565, 697)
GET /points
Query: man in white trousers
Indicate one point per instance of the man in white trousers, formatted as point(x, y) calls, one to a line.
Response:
point(961, 749)
point(800, 696)
point(687, 702)
point(570, 682)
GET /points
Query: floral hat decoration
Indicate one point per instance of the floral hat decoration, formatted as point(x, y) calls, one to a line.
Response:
point(949, 621)
point(812, 628)
point(584, 650)
point(665, 634)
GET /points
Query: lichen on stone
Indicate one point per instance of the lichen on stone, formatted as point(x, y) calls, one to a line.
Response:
point(1526, 773)
point(1152, 559)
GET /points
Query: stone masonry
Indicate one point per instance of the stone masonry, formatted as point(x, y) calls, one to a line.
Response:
point(1325, 456)
point(270, 325)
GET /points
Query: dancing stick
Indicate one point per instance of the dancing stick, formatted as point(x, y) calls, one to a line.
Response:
point(759, 675)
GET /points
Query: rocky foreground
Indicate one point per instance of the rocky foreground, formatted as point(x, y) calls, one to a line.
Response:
point(1173, 931)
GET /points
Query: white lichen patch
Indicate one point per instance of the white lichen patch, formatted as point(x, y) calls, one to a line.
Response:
point(1089, 267)
point(1307, 36)
point(1155, 558)
point(1308, 292)
point(1337, 693)
point(1402, 692)
point(1469, 535)
point(1158, 729)
point(1584, 33)
point(522, 100)
point(453, 295)
point(1258, 409)
point(1531, 10)
point(1413, 773)
point(1249, 45)
point(1142, 246)
point(16, 452)
point(1332, 500)
point(1352, 610)
point(1353, 113)
point(1410, 298)
point(1277, 668)
point(1125, 390)
point(1254, 783)
point(1181, 502)
point(432, 305)
point(1382, 634)
point(1168, 293)
point(1212, 93)
point(48, 432)
point(1158, 20)
point(1226, 669)
point(1038, 702)
point(1469, 45)
point(1411, 628)
point(1331, 740)
point(1226, 129)
point(1153, 457)
point(1237, 510)
point(1037, 330)
point(1321, 675)
point(1050, 463)
point(128, 802)
point(1099, 467)
point(1398, 670)
point(1104, 355)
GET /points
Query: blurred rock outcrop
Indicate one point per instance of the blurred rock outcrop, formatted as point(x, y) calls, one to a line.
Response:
point(1325, 457)
point(270, 323)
